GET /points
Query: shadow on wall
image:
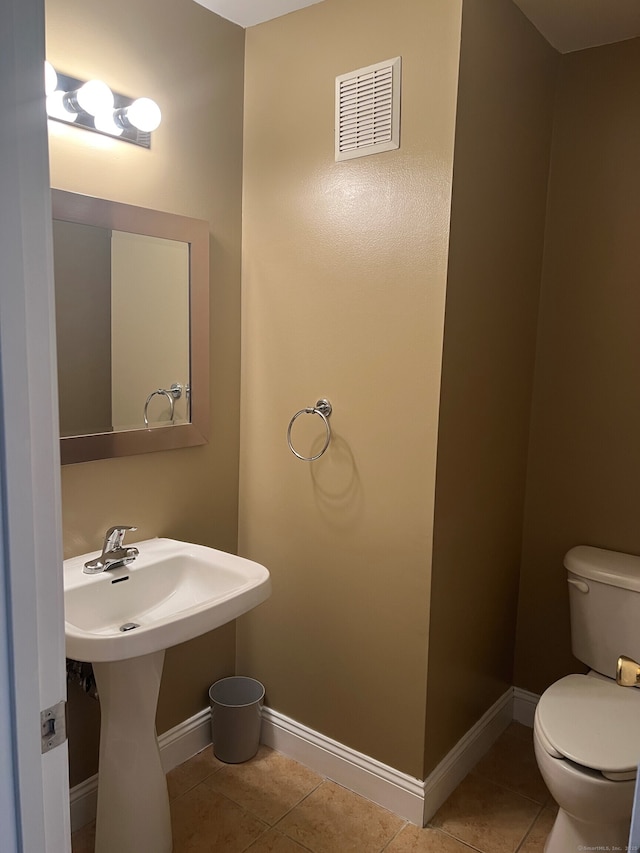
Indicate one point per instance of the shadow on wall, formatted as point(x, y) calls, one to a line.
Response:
point(336, 485)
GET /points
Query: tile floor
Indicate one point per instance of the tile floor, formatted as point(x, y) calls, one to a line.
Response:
point(271, 804)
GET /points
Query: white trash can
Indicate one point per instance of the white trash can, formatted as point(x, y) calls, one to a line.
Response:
point(236, 718)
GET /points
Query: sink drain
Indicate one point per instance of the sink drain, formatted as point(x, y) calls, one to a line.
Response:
point(129, 626)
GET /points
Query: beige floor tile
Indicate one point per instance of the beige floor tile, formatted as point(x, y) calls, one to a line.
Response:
point(334, 820)
point(191, 772)
point(83, 840)
point(223, 808)
point(268, 786)
point(274, 842)
point(511, 762)
point(534, 842)
point(486, 816)
point(412, 839)
point(204, 821)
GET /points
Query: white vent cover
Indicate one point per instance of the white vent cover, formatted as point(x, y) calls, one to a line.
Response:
point(368, 110)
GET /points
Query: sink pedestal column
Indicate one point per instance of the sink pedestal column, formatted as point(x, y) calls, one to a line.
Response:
point(133, 803)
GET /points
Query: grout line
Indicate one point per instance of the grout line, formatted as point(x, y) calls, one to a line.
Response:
point(254, 841)
point(195, 784)
point(299, 803)
point(279, 821)
point(299, 843)
point(459, 840)
point(319, 785)
point(528, 832)
point(262, 819)
point(245, 811)
point(394, 836)
point(508, 788)
point(281, 834)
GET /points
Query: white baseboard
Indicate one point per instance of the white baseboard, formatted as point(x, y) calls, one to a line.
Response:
point(176, 746)
point(407, 797)
point(185, 739)
point(83, 802)
point(524, 706)
point(465, 754)
point(390, 788)
point(413, 799)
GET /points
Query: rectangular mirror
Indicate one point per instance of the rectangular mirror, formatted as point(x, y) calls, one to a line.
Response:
point(132, 310)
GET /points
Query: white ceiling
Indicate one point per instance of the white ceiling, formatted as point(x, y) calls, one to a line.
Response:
point(250, 12)
point(571, 25)
point(566, 24)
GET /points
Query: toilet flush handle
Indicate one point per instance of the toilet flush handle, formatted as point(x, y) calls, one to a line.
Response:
point(627, 672)
point(581, 585)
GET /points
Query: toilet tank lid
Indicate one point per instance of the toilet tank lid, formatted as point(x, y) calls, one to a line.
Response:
point(610, 567)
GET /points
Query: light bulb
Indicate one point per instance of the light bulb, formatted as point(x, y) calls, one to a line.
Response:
point(50, 78)
point(105, 123)
point(95, 97)
point(56, 107)
point(144, 114)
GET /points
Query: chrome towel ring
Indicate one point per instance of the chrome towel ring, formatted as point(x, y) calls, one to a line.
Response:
point(173, 394)
point(323, 409)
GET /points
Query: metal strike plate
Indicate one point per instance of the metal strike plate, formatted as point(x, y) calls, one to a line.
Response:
point(53, 726)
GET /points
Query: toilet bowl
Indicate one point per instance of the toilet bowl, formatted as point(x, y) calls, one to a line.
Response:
point(586, 738)
point(587, 727)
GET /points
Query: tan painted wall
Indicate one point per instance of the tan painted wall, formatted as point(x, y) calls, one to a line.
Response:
point(503, 137)
point(344, 279)
point(584, 460)
point(191, 62)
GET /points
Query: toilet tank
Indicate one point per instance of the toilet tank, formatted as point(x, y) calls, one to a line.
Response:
point(604, 602)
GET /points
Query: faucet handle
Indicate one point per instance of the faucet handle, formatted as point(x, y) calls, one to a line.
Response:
point(114, 536)
point(627, 672)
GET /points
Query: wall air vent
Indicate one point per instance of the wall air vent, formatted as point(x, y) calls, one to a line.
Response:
point(368, 110)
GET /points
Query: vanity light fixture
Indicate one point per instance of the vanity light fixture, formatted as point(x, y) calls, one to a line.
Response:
point(93, 106)
point(50, 78)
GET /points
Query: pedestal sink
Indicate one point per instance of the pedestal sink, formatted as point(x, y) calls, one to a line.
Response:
point(121, 621)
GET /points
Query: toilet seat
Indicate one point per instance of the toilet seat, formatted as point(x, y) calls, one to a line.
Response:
point(592, 722)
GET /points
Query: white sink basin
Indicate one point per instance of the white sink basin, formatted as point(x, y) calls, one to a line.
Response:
point(173, 591)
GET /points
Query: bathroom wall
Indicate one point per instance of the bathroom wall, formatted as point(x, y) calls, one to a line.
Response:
point(503, 138)
point(344, 274)
point(584, 458)
point(192, 63)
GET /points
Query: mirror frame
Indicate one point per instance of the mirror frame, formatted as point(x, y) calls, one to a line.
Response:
point(87, 210)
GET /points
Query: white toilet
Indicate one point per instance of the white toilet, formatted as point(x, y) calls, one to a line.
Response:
point(587, 727)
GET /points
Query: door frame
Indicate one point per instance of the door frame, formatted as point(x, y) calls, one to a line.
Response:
point(34, 787)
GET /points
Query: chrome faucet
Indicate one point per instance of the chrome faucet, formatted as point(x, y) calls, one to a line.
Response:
point(114, 555)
